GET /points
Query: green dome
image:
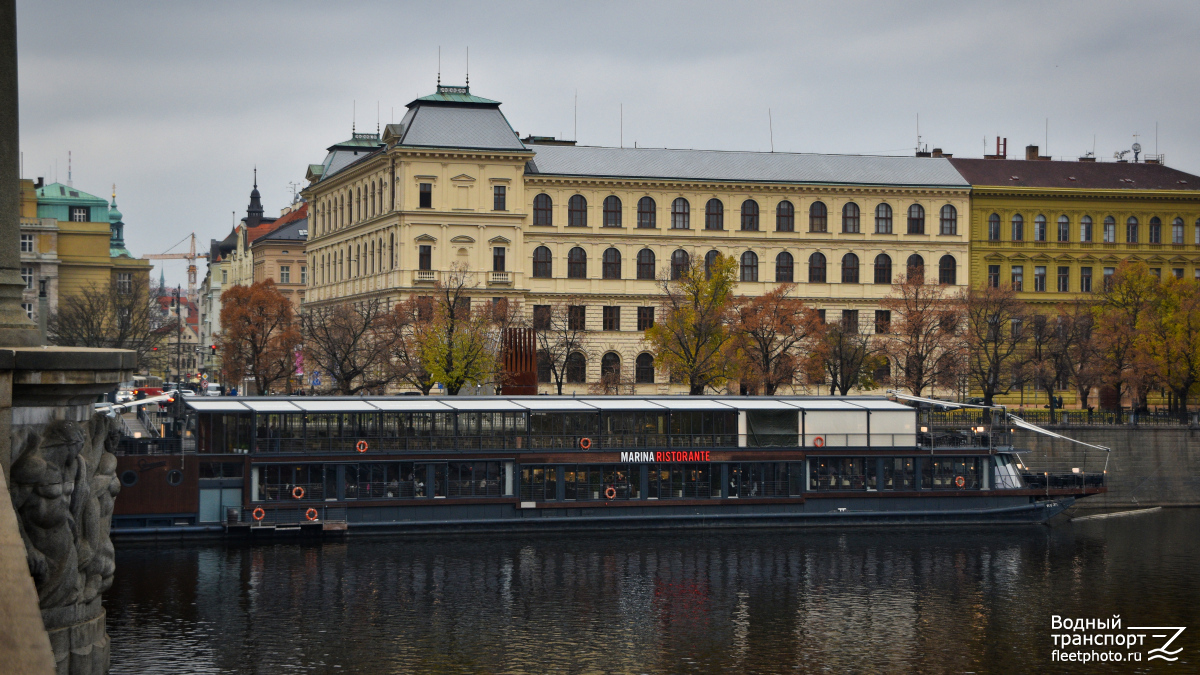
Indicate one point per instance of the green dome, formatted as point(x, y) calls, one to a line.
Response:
point(114, 216)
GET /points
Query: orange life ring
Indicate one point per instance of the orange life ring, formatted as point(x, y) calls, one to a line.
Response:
point(298, 492)
point(819, 442)
point(960, 481)
point(361, 446)
point(311, 514)
point(610, 492)
point(258, 513)
point(585, 443)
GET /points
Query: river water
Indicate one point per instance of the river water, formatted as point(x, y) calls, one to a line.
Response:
point(945, 600)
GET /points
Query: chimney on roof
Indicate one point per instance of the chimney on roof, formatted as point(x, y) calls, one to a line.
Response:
point(1001, 150)
point(1031, 152)
point(40, 183)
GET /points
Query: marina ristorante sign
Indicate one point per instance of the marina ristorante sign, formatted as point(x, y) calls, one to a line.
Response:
point(693, 456)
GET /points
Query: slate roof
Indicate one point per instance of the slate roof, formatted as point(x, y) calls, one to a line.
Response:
point(775, 167)
point(1079, 175)
point(58, 193)
point(256, 233)
point(448, 126)
point(289, 232)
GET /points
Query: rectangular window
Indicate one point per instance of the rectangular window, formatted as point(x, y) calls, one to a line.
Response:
point(1110, 231)
point(1018, 277)
point(303, 274)
point(612, 318)
point(883, 321)
point(224, 277)
point(1064, 229)
point(28, 307)
point(1156, 272)
point(1085, 280)
point(426, 196)
point(27, 277)
point(993, 278)
point(645, 316)
point(1064, 279)
point(1085, 229)
point(79, 214)
point(498, 198)
point(1108, 277)
point(1039, 278)
point(1177, 272)
point(285, 274)
point(425, 257)
point(1016, 324)
point(850, 320)
point(821, 316)
point(576, 317)
point(498, 259)
point(124, 282)
point(27, 241)
point(541, 317)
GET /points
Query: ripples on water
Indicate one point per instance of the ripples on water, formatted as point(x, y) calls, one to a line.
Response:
point(914, 600)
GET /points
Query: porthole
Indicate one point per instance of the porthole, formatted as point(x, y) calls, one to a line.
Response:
point(129, 478)
point(174, 477)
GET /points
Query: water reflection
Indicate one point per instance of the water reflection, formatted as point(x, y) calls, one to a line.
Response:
point(950, 600)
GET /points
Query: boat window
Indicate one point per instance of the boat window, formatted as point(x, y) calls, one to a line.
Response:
point(943, 473)
point(633, 429)
point(838, 473)
point(703, 429)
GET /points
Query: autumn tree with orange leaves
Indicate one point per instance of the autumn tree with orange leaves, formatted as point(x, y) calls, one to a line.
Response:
point(259, 335)
point(776, 333)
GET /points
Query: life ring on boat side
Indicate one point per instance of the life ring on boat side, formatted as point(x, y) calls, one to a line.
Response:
point(960, 481)
point(361, 446)
point(819, 442)
point(311, 514)
point(610, 492)
point(585, 443)
point(298, 492)
point(258, 513)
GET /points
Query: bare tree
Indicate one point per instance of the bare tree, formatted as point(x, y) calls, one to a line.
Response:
point(775, 333)
point(847, 356)
point(561, 330)
point(1081, 362)
point(109, 317)
point(924, 327)
point(993, 344)
point(349, 341)
point(403, 325)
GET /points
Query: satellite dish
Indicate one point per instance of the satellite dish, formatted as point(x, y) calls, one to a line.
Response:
point(1137, 147)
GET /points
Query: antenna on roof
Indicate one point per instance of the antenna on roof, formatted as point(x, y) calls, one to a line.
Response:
point(622, 125)
point(575, 131)
point(70, 183)
point(468, 66)
point(771, 129)
point(918, 132)
point(439, 65)
point(353, 117)
point(376, 118)
point(1047, 139)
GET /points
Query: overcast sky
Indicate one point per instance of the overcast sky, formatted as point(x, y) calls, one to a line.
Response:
point(177, 102)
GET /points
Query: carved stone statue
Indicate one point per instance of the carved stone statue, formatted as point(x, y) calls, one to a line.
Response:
point(63, 485)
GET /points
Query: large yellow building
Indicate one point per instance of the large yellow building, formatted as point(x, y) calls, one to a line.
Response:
point(1055, 229)
point(541, 221)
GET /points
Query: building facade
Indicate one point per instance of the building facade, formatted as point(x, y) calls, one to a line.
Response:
point(1054, 230)
point(543, 222)
point(279, 255)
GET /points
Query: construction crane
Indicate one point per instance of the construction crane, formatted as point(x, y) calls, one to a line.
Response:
point(190, 256)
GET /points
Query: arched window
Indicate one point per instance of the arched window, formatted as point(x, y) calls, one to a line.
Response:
point(611, 267)
point(647, 211)
point(710, 259)
point(849, 269)
point(818, 217)
point(949, 219)
point(1039, 228)
point(916, 219)
point(750, 215)
point(681, 214)
point(785, 217)
point(1155, 230)
point(883, 372)
point(1018, 227)
point(816, 268)
point(883, 269)
point(612, 211)
point(916, 268)
point(1177, 231)
point(883, 219)
point(993, 233)
point(784, 273)
point(1110, 230)
point(543, 211)
point(577, 263)
point(1131, 230)
point(644, 369)
point(948, 270)
point(714, 215)
point(749, 266)
point(679, 263)
point(577, 212)
point(1064, 228)
point(1085, 228)
point(645, 264)
point(610, 365)
point(850, 217)
point(576, 367)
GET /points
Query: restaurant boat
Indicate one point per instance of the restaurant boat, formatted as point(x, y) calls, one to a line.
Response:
point(269, 465)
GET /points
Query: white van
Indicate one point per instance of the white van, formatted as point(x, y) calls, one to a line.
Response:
point(213, 390)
